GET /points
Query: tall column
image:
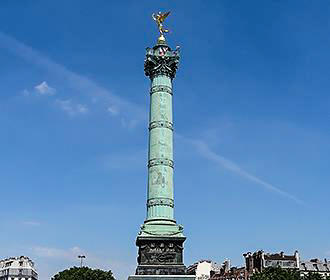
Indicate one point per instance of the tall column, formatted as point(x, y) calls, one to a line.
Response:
point(160, 240)
point(160, 203)
point(160, 66)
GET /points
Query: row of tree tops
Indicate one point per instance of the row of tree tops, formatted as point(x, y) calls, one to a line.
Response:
point(277, 273)
point(271, 273)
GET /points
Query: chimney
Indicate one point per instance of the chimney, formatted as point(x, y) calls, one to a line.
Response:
point(296, 254)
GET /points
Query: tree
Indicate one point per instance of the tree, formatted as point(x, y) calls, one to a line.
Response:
point(314, 276)
point(277, 273)
point(83, 273)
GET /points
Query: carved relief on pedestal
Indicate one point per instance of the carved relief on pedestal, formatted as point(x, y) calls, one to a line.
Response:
point(160, 252)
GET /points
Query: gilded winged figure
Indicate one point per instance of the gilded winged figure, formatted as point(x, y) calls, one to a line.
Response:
point(159, 18)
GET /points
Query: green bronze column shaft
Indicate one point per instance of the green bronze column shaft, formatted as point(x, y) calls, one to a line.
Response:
point(160, 66)
point(160, 201)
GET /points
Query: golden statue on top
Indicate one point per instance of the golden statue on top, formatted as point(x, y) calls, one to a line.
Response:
point(159, 19)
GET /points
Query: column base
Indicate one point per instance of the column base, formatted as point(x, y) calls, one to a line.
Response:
point(161, 227)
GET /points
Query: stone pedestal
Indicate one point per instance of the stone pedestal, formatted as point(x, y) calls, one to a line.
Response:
point(160, 256)
point(162, 277)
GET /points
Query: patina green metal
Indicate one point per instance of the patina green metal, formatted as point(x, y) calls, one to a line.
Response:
point(160, 66)
point(160, 240)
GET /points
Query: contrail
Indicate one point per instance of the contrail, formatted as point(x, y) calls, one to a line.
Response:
point(207, 153)
point(74, 80)
point(123, 107)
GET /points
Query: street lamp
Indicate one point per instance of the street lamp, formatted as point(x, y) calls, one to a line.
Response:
point(81, 257)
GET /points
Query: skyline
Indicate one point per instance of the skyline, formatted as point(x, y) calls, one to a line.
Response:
point(251, 125)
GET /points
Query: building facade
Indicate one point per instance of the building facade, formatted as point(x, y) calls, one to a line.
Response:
point(315, 266)
point(204, 269)
point(255, 263)
point(209, 270)
point(234, 273)
point(18, 268)
point(258, 261)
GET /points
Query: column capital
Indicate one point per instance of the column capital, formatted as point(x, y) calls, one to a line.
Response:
point(161, 60)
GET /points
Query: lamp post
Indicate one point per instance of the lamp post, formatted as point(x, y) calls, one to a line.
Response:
point(81, 257)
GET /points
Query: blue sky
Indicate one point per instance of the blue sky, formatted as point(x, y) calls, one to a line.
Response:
point(251, 112)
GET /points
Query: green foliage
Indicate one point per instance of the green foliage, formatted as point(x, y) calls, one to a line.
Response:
point(83, 273)
point(277, 273)
point(314, 276)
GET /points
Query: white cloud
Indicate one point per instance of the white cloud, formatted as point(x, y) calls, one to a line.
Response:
point(79, 83)
point(129, 123)
point(68, 254)
point(113, 110)
point(25, 92)
point(131, 160)
point(31, 223)
point(205, 151)
point(44, 89)
point(56, 257)
point(130, 114)
point(72, 108)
